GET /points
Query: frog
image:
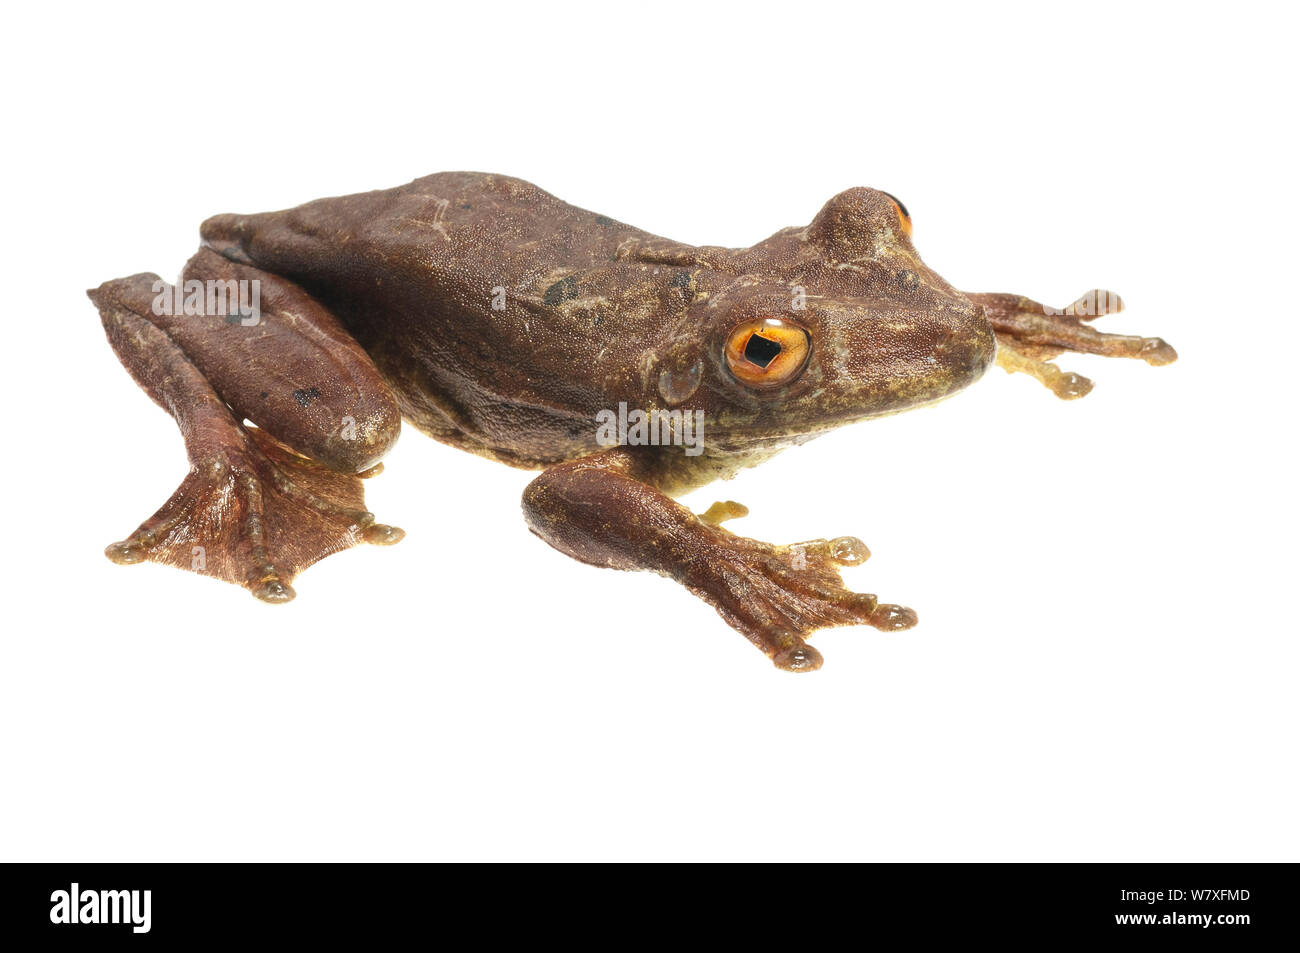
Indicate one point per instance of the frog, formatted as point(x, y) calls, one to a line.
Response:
point(496, 318)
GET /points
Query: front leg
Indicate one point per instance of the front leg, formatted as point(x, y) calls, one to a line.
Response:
point(1030, 334)
point(606, 510)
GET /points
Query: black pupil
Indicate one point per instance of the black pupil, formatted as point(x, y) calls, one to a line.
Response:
point(761, 351)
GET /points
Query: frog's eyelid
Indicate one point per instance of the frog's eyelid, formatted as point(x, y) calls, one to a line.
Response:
point(901, 207)
point(904, 218)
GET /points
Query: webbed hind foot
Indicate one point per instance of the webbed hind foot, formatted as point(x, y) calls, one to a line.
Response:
point(256, 515)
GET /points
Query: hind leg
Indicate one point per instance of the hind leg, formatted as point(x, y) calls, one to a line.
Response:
point(259, 504)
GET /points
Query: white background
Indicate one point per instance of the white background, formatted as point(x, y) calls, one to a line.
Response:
point(1106, 662)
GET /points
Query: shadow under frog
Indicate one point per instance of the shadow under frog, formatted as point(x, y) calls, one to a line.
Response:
point(496, 318)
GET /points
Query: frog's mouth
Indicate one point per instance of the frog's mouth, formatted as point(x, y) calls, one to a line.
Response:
point(785, 431)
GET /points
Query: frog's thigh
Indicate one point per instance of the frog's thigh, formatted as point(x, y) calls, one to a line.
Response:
point(250, 511)
point(283, 361)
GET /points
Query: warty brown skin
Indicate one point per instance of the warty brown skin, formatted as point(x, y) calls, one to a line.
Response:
point(498, 319)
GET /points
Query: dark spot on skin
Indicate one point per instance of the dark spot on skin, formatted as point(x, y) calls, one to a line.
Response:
point(908, 281)
point(604, 220)
point(597, 320)
point(563, 290)
point(306, 395)
point(234, 253)
point(467, 205)
point(901, 207)
point(265, 395)
point(681, 280)
point(760, 350)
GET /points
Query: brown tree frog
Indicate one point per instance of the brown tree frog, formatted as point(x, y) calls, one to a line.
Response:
point(496, 318)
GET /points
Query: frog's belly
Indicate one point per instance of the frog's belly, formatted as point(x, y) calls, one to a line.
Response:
point(490, 409)
point(516, 434)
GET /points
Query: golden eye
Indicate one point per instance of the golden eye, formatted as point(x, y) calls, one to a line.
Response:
point(904, 220)
point(767, 352)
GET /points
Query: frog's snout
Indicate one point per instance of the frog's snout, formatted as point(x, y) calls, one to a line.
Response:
point(967, 348)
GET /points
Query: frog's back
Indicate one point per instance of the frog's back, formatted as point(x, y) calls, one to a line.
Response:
point(463, 288)
point(460, 227)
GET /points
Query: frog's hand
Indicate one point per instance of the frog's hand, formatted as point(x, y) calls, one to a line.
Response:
point(251, 511)
point(1031, 334)
point(605, 510)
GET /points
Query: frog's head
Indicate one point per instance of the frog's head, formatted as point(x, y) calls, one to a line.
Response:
point(855, 326)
